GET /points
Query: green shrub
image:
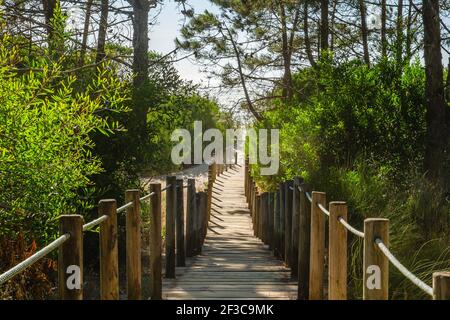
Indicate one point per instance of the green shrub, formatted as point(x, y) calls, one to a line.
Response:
point(358, 134)
point(45, 147)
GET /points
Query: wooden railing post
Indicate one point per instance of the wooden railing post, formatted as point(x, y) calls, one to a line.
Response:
point(246, 178)
point(203, 204)
point(250, 184)
point(170, 227)
point(156, 243)
point(304, 244)
point(317, 251)
point(197, 224)
point(288, 223)
point(337, 252)
point(276, 225)
point(376, 264)
point(191, 212)
point(133, 245)
point(258, 215)
point(264, 216)
point(179, 222)
point(212, 173)
point(295, 226)
point(109, 253)
point(253, 206)
point(201, 226)
point(70, 258)
point(270, 220)
point(441, 285)
point(282, 220)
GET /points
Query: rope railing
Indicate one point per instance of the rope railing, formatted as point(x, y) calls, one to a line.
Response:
point(33, 259)
point(350, 228)
point(148, 196)
point(124, 207)
point(94, 223)
point(309, 252)
point(323, 209)
point(71, 226)
point(308, 196)
point(400, 267)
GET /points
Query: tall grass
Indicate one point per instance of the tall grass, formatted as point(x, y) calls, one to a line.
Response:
point(419, 218)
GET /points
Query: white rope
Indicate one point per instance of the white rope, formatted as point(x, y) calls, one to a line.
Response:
point(323, 209)
point(124, 207)
point(408, 274)
point(33, 259)
point(147, 196)
point(308, 196)
point(350, 228)
point(94, 223)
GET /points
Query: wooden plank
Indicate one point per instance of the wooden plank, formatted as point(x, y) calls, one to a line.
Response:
point(109, 252)
point(155, 243)
point(133, 245)
point(288, 223)
point(190, 218)
point(376, 264)
point(317, 251)
point(179, 223)
point(295, 226)
point(71, 254)
point(304, 244)
point(230, 295)
point(337, 252)
point(170, 227)
point(279, 287)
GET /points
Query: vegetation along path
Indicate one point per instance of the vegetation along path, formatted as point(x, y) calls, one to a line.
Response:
point(234, 264)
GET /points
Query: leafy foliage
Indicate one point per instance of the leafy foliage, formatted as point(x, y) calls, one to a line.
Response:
point(46, 150)
point(358, 133)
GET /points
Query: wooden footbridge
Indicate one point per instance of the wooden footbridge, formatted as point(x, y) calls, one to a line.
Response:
point(233, 262)
point(231, 241)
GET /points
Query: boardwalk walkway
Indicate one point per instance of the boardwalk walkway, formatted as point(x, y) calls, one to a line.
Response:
point(234, 264)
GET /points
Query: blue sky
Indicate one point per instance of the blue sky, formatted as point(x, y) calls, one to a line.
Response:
point(163, 34)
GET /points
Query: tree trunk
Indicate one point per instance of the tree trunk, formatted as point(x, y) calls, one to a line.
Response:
point(399, 40)
point(333, 20)
point(409, 32)
point(383, 29)
point(103, 27)
point(49, 11)
point(250, 105)
point(447, 84)
point(287, 57)
point(324, 26)
point(434, 91)
point(306, 32)
point(85, 32)
point(141, 10)
point(364, 31)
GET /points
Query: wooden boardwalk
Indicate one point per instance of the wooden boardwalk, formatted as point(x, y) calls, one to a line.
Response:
point(234, 264)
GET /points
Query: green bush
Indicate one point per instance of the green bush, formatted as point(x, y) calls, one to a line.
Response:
point(45, 147)
point(358, 134)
